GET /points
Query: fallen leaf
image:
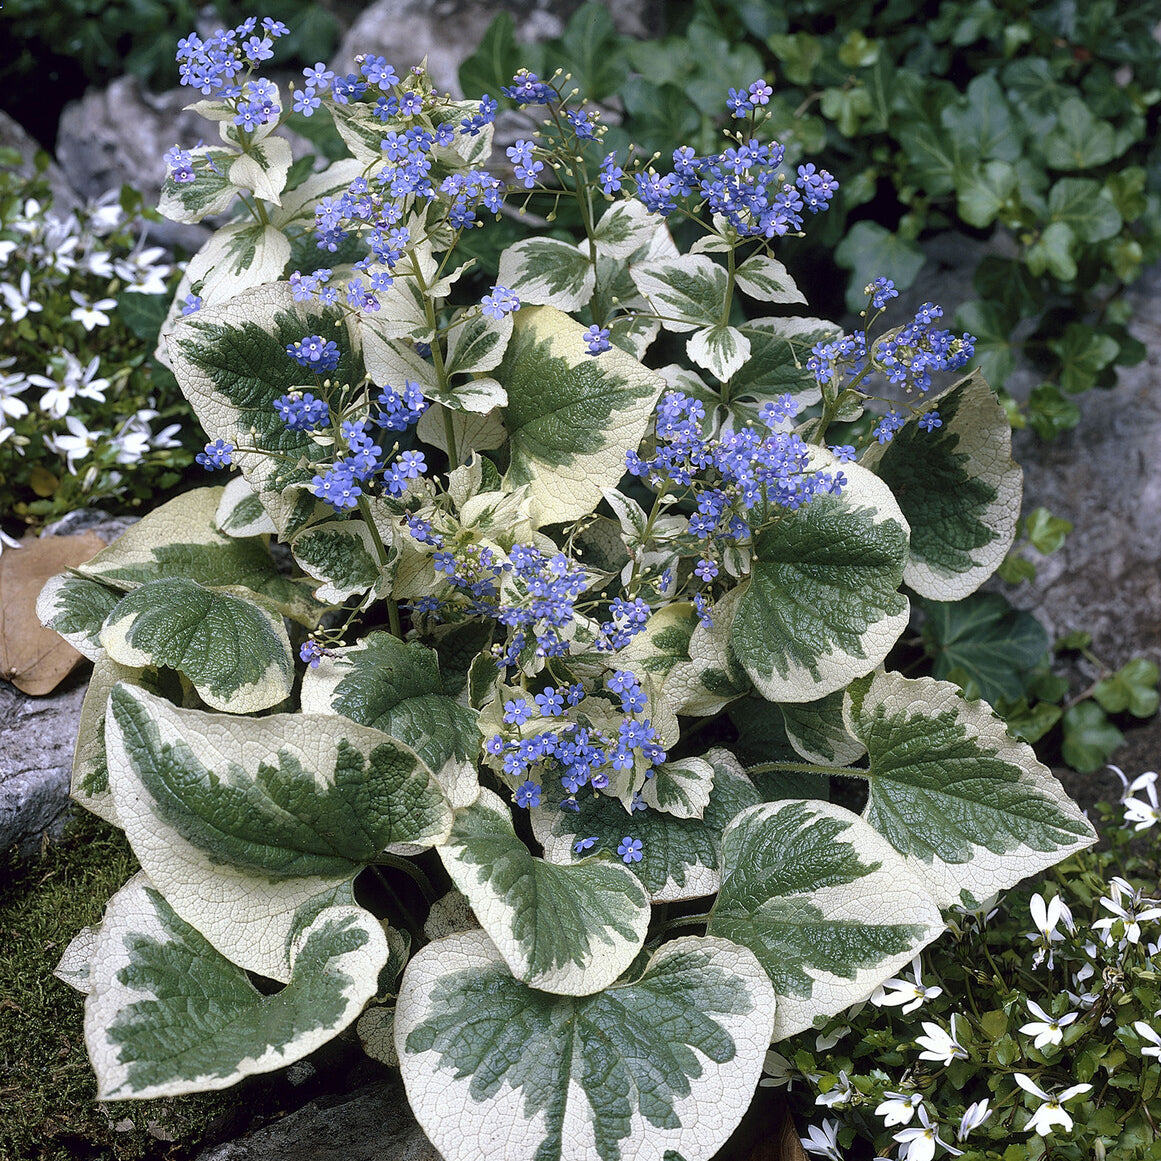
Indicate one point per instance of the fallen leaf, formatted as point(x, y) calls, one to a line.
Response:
point(35, 659)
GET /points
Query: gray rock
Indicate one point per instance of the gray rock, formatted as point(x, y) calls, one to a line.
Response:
point(37, 734)
point(372, 1123)
point(120, 134)
point(449, 31)
point(1105, 476)
point(14, 136)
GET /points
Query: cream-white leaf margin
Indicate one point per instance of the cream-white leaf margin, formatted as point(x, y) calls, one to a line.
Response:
point(967, 748)
point(470, 1119)
point(138, 920)
point(244, 914)
point(523, 920)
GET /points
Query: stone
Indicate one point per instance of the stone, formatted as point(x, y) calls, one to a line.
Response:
point(14, 136)
point(447, 32)
point(370, 1123)
point(37, 734)
point(120, 134)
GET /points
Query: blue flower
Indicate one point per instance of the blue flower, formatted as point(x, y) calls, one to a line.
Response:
point(216, 455)
point(319, 77)
point(311, 652)
point(192, 303)
point(313, 351)
point(930, 420)
point(585, 843)
point(517, 712)
point(630, 850)
point(499, 303)
point(597, 339)
point(528, 794)
point(550, 701)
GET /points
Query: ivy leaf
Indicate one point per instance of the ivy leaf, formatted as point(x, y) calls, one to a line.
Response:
point(982, 635)
point(1080, 203)
point(869, 250)
point(570, 415)
point(239, 821)
point(168, 1014)
point(571, 930)
point(1084, 352)
point(958, 488)
point(1053, 252)
point(982, 197)
point(829, 909)
point(660, 1067)
point(1079, 140)
point(1133, 688)
point(970, 808)
point(822, 605)
point(1090, 739)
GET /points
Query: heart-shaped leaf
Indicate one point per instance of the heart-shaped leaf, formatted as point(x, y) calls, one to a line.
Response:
point(168, 1014)
point(823, 606)
point(826, 905)
point(660, 1067)
point(566, 929)
point(239, 821)
point(968, 805)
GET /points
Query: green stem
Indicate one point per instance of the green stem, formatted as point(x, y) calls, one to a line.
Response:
point(381, 552)
point(409, 868)
point(805, 768)
point(698, 920)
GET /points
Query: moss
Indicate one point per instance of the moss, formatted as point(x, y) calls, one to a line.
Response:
point(47, 1088)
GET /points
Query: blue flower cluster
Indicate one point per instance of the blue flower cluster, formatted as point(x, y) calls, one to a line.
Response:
point(214, 65)
point(730, 475)
point(907, 356)
point(302, 411)
point(316, 353)
point(575, 751)
point(531, 594)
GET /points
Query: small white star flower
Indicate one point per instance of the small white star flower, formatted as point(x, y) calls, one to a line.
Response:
point(919, 1143)
point(939, 1044)
point(909, 993)
point(898, 1108)
point(823, 1140)
point(839, 1095)
point(1047, 1029)
point(1050, 1112)
point(973, 1116)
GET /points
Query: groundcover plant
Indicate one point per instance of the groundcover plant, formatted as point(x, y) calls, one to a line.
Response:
point(581, 634)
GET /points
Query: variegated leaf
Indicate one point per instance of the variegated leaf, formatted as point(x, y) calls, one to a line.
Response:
point(685, 293)
point(720, 350)
point(823, 901)
point(823, 604)
point(958, 487)
point(236, 655)
point(570, 416)
point(168, 1014)
point(239, 821)
point(211, 192)
point(548, 272)
point(570, 929)
point(657, 1068)
point(263, 168)
point(238, 257)
point(396, 688)
point(767, 280)
point(240, 512)
point(817, 730)
point(968, 805)
point(76, 608)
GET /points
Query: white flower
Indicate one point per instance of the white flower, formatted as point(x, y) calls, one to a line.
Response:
point(6, 251)
point(839, 1095)
point(7, 541)
point(910, 993)
point(1047, 1029)
point(1143, 814)
point(76, 380)
point(90, 316)
point(939, 1045)
point(1050, 1113)
point(973, 1116)
point(75, 446)
point(919, 1144)
point(780, 1073)
point(898, 1108)
point(10, 387)
point(823, 1141)
point(143, 273)
point(1130, 912)
point(1045, 917)
point(1147, 1033)
point(19, 299)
